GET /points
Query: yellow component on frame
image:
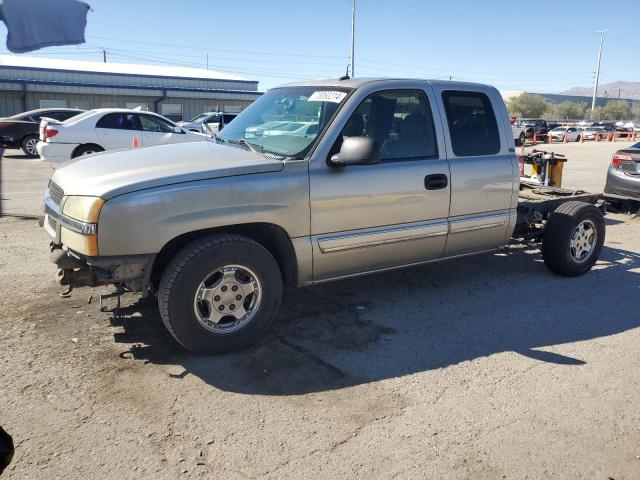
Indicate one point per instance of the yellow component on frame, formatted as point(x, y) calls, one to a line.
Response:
point(85, 209)
point(78, 242)
point(555, 173)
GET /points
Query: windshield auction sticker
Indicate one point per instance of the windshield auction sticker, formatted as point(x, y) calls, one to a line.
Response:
point(327, 96)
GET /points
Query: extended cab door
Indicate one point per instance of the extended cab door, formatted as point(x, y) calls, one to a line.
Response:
point(484, 172)
point(394, 213)
point(118, 130)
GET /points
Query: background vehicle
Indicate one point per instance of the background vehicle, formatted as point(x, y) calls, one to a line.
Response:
point(519, 133)
point(108, 129)
point(303, 129)
point(534, 125)
point(623, 176)
point(558, 133)
point(21, 131)
point(215, 120)
point(589, 133)
point(398, 176)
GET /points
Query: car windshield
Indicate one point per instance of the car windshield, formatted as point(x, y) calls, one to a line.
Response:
point(199, 118)
point(559, 129)
point(594, 129)
point(285, 110)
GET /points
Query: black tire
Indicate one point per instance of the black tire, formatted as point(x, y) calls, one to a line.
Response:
point(86, 150)
point(191, 266)
point(28, 146)
point(557, 237)
point(521, 139)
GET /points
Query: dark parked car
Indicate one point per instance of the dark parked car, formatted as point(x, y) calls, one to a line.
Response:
point(21, 131)
point(623, 177)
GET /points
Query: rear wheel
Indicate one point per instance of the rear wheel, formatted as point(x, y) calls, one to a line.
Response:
point(29, 144)
point(521, 138)
point(87, 150)
point(573, 238)
point(220, 293)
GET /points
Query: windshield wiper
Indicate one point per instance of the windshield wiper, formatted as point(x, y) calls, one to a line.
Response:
point(244, 143)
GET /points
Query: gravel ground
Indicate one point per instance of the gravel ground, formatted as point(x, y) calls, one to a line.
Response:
point(486, 367)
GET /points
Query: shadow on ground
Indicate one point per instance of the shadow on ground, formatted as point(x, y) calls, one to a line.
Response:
point(393, 324)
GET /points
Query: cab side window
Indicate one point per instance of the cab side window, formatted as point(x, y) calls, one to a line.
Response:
point(472, 123)
point(399, 120)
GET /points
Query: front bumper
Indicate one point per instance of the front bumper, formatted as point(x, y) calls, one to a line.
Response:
point(76, 270)
point(621, 185)
point(56, 152)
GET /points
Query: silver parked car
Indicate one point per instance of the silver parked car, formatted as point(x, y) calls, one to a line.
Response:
point(398, 173)
point(216, 121)
point(623, 176)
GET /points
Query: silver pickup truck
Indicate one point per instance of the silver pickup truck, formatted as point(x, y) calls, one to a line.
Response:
point(399, 173)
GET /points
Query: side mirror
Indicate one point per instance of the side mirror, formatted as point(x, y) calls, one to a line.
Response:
point(177, 129)
point(356, 151)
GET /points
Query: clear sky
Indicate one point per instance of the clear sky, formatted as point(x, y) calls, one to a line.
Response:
point(514, 45)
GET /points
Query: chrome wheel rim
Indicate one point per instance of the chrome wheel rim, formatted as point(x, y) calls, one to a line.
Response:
point(227, 299)
point(30, 145)
point(583, 241)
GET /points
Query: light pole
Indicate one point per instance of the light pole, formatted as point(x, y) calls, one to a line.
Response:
point(595, 87)
point(353, 35)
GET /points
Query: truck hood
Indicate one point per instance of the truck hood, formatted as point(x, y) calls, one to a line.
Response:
point(115, 173)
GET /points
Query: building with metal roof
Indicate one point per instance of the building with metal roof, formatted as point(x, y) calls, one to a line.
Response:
point(27, 83)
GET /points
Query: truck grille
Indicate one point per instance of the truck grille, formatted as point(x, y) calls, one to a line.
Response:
point(55, 193)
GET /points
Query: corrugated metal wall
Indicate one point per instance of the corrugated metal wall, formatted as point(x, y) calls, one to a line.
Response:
point(11, 102)
point(20, 91)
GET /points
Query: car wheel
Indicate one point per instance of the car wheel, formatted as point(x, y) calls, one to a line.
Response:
point(29, 144)
point(573, 238)
point(521, 138)
point(220, 293)
point(86, 150)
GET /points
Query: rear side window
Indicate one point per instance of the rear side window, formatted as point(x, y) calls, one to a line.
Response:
point(118, 121)
point(472, 123)
point(228, 118)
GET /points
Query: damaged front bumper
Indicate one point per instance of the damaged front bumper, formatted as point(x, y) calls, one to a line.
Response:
point(129, 272)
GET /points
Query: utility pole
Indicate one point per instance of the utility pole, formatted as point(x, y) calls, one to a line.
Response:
point(207, 61)
point(595, 87)
point(104, 56)
point(353, 36)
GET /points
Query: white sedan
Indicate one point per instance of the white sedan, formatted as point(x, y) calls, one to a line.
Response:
point(572, 133)
point(107, 129)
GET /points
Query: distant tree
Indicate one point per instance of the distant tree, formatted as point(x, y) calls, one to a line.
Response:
point(616, 110)
point(635, 112)
point(526, 105)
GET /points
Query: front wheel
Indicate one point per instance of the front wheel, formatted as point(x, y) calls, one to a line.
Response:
point(220, 293)
point(573, 238)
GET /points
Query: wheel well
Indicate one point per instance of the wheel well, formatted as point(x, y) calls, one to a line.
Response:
point(82, 145)
point(272, 237)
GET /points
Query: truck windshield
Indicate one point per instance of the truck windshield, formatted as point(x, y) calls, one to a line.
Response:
point(273, 122)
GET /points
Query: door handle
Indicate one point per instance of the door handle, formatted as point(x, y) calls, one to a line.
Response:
point(436, 181)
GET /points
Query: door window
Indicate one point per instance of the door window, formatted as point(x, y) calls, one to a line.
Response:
point(472, 123)
point(154, 124)
point(399, 120)
point(119, 121)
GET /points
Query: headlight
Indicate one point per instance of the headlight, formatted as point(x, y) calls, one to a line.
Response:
point(85, 209)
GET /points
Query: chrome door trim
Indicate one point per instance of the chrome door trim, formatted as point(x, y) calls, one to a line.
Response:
point(382, 235)
point(471, 223)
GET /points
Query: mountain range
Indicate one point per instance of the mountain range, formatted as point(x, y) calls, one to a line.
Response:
point(611, 90)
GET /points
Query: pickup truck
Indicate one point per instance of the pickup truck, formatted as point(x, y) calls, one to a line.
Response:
point(400, 173)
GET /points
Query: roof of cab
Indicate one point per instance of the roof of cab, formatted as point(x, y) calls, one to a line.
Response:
point(358, 82)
